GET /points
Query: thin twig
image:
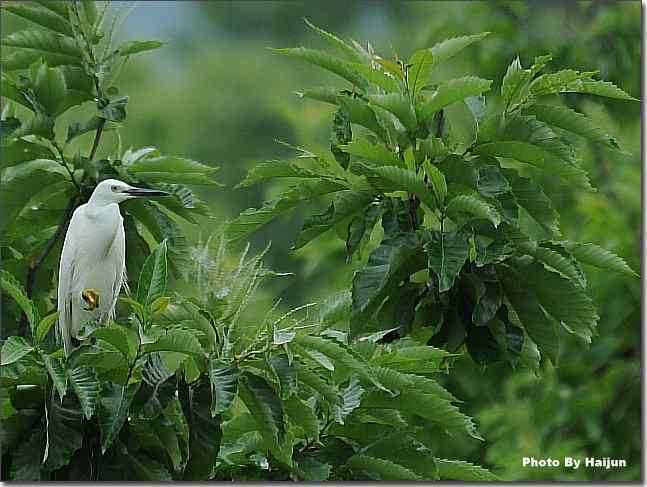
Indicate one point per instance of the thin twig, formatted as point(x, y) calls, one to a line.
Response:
point(97, 138)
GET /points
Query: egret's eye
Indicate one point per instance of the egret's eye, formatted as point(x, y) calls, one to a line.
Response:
point(114, 188)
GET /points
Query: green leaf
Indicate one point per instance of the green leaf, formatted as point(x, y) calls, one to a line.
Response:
point(19, 151)
point(326, 61)
point(56, 372)
point(596, 256)
point(153, 277)
point(374, 154)
point(463, 471)
point(474, 206)
point(20, 183)
point(597, 87)
point(114, 110)
point(56, 50)
point(302, 416)
point(86, 387)
point(114, 406)
point(447, 252)
point(514, 88)
point(26, 459)
point(118, 337)
point(335, 41)
point(554, 261)
point(528, 140)
point(345, 204)
point(265, 406)
point(362, 114)
point(351, 397)
point(135, 47)
point(64, 432)
point(388, 179)
point(447, 49)
point(450, 92)
point(532, 198)
point(175, 340)
point(541, 328)
point(13, 288)
point(438, 182)
point(381, 469)
point(572, 121)
point(422, 62)
point(251, 219)
point(563, 299)
point(264, 171)
point(394, 260)
point(324, 94)
point(43, 17)
point(44, 326)
point(314, 381)
point(399, 105)
point(13, 349)
point(77, 129)
point(205, 432)
point(224, 385)
point(147, 469)
point(550, 83)
point(376, 77)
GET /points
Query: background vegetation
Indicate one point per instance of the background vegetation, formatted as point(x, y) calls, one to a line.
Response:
point(215, 94)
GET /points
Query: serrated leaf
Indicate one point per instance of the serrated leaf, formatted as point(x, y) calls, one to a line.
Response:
point(597, 87)
point(375, 154)
point(43, 17)
point(175, 340)
point(475, 206)
point(388, 179)
point(174, 170)
point(447, 252)
point(64, 432)
point(135, 47)
point(422, 62)
point(303, 416)
point(326, 61)
point(265, 406)
point(515, 84)
point(118, 337)
point(563, 299)
point(335, 41)
point(399, 105)
point(555, 261)
point(596, 256)
point(57, 373)
point(532, 198)
point(13, 349)
point(251, 219)
point(377, 77)
point(351, 397)
point(463, 471)
point(224, 385)
point(326, 94)
point(86, 387)
point(394, 260)
point(450, 92)
point(55, 49)
point(13, 288)
point(114, 405)
point(153, 277)
point(345, 204)
point(572, 121)
point(438, 182)
point(362, 114)
point(448, 48)
point(381, 469)
point(264, 171)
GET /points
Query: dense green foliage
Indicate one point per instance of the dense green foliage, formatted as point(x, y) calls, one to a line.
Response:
point(209, 384)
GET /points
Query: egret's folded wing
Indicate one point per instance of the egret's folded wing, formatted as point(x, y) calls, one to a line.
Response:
point(66, 271)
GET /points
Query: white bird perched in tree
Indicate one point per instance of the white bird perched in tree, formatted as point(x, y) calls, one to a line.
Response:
point(93, 262)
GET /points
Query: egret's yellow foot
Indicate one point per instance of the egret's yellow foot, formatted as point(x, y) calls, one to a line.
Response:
point(91, 297)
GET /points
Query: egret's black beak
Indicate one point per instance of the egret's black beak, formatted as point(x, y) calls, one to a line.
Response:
point(142, 192)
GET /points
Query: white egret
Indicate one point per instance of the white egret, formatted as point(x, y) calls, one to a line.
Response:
point(93, 262)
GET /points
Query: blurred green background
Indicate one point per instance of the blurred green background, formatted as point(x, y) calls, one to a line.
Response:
point(216, 94)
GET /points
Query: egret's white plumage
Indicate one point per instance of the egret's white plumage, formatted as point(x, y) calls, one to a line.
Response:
point(94, 258)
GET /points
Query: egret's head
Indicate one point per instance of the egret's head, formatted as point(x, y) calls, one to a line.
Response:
point(115, 191)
